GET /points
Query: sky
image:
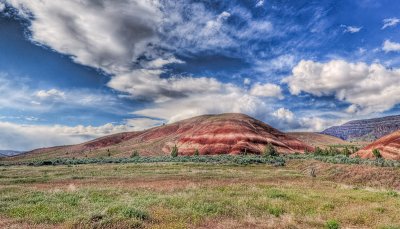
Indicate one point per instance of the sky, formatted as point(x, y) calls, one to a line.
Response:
point(74, 70)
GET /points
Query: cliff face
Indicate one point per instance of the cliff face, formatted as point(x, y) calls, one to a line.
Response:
point(365, 130)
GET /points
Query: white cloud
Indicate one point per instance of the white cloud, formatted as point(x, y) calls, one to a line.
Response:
point(246, 81)
point(28, 99)
point(350, 29)
point(147, 84)
point(161, 62)
point(373, 88)
point(316, 124)
point(266, 90)
point(138, 124)
point(284, 114)
point(27, 137)
point(260, 3)
point(102, 34)
point(2, 7)
point(352, 109)
point(195, 28)
point(280, 63)
point(232, 99)
point(390, 22)
point(389, 46)
point(50, 94)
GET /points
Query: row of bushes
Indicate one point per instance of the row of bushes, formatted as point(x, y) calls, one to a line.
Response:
point(217, 159)
point(333, 151)
point(343, 159)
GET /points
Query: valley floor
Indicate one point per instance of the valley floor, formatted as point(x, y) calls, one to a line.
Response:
point(189, 195)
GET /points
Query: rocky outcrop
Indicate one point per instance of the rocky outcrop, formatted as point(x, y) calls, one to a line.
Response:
point(388, 146)
point(365, 130)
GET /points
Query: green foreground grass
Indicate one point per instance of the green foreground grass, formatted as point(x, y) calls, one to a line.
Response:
point(189, 195)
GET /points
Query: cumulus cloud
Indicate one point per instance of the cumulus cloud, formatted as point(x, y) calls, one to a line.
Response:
point(350, 29)
point(232, 100)
point(390, 22)
point(147, 84)
point(389, 46)
point(284, 114)
point(372, 88)
point(112, 36)
point(27, 137)
point(266, 90)
point(103, 34)
point(316, 124)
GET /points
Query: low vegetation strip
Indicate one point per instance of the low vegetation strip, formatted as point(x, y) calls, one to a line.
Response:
point(219, 159)
point(343, 159)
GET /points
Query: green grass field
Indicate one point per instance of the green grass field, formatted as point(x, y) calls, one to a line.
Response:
point(198, 195)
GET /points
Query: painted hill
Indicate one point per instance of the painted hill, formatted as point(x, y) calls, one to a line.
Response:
point(209, 134)
point(365, 130)
point(389, 147)
point(318, 140)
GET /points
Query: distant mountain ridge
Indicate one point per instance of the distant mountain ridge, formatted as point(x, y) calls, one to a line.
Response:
point(366, 129)
point(9, 153)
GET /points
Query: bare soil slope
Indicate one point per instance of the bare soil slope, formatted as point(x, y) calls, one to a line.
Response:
point(389, 147)
point(209, 134)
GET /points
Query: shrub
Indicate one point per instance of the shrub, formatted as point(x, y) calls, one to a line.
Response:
point(332, 224)
point(135, 153)
point(196, 152)
point(376, 153)
point(318, 151)
point(270, 151)
point(346, 151)
point(174, 151)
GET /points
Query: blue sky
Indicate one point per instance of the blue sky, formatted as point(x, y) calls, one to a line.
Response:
point(74, 70)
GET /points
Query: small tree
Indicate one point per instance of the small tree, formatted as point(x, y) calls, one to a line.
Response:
point(196, 152)
point(174, 151)
point(318, 151)
point(135, 153)
point(346, 151)
point(376, 153)
point(270, 150)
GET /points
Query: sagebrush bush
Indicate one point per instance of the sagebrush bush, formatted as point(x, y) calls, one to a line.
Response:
point(376, 153)
point(174, 151)
point(270, 151)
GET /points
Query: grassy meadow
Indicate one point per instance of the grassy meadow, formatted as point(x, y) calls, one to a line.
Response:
point(301, 194)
